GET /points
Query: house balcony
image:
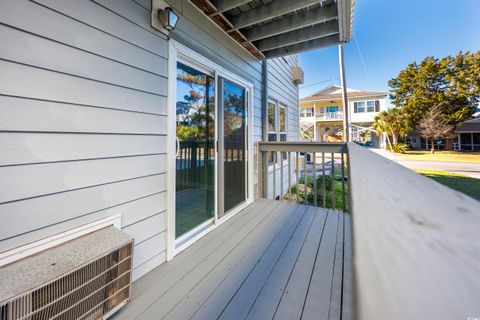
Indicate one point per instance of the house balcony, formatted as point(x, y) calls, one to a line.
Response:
point(330, 116)
point(326, 116)
point(416, 246)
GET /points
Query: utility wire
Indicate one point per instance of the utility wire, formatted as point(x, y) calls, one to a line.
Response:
point(314, 84)
point(363, 62)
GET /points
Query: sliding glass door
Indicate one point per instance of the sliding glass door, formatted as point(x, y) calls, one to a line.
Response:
point(233, 146)
point(195, 160)
point(210, 111)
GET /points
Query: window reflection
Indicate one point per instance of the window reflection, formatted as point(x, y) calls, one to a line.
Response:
point(195, 162)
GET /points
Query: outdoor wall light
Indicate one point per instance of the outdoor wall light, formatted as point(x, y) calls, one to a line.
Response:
point(168, 18)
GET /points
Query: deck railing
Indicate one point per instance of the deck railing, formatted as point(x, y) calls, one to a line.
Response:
point(416, 243)
point(336, 115)
point(306, 172)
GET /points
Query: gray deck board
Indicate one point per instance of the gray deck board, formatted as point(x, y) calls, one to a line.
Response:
point(277, 255)
point(292, 294)
point(273, 259)
point(235, 267)
point(317, 303)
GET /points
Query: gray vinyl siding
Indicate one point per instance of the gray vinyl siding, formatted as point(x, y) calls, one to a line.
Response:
point(83, 122)
point(282, 89)
point(83, 88)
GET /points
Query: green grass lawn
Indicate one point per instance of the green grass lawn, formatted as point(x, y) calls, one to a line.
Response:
point(467, 185)
point(446, 156)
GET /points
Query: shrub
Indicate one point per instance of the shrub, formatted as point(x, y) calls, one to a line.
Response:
point(399, 147)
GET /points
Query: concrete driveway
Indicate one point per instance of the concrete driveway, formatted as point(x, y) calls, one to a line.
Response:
point(470, 169)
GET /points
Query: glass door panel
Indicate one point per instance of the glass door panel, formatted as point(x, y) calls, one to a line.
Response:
point(195, 160)
point(234, 144)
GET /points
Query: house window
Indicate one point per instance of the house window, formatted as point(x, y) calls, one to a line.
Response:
point(306, 112)
point(277, 125)
point(272, 127)
point(271, 119)
point(370, 106)
point(359, 106)
point(282, 119)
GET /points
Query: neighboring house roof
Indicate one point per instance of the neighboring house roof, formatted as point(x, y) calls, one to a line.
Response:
point(334, 92)
point(472, 125)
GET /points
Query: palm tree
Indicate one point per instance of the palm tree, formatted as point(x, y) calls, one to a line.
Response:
point(391, 122)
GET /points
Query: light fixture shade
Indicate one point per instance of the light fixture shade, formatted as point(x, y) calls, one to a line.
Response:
point(168, 18)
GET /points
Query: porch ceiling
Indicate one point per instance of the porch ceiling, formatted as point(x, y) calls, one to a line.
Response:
point(272, 28)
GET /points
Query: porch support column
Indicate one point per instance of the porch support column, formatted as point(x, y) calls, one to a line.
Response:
point(346, 120)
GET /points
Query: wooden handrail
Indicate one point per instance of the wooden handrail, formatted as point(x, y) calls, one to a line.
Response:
point(416, 243)
point(302, 146)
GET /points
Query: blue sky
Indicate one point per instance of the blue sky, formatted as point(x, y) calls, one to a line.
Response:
point(390, 35)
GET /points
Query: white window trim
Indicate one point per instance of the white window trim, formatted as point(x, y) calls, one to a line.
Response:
point(176, 52)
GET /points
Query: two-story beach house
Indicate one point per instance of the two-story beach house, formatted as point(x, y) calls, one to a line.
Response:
point(322, 114)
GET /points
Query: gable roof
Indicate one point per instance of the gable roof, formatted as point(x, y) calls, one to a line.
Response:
point(334, 92)
point(472, 125)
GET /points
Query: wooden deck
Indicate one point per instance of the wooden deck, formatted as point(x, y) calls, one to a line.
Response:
point(273, 260)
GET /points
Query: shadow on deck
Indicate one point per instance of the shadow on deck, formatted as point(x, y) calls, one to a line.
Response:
point(273, 260)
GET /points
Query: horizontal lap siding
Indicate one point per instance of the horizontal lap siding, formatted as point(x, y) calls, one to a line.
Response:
point(83, 101)
point(282, 89)
point(82, 132)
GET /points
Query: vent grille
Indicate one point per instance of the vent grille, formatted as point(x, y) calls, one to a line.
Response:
point(92, 291)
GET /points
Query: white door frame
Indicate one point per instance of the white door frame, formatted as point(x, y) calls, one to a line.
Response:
point(176, 52)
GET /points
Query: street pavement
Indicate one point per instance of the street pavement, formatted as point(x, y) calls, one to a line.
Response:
point(470, 169)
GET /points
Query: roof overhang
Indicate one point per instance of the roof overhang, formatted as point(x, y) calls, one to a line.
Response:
point(273, 28)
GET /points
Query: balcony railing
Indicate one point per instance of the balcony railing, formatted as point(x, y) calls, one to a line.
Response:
point(416, 242)
point(338, 115)
point(304, 172)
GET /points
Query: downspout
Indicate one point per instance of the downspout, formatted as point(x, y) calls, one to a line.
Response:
point(264, 100)
point(262, 157)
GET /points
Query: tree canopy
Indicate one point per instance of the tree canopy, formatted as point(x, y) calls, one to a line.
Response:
point(452, 82)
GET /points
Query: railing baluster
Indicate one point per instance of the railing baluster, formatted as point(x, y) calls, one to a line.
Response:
point(305, 176)
point(333, 182)
point(289, 176)
point(314, 179)
point(274, 156)
point(265, 172)
point(297, 162)
point(281, 176)
point(343, 183)
point(324, 184)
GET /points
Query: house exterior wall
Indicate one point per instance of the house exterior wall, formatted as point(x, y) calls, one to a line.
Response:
point(283, 91)
point(362, 117)
point(365, 117)
point(83, 97)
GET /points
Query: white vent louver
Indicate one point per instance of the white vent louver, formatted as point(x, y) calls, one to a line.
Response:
point(86, 278)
